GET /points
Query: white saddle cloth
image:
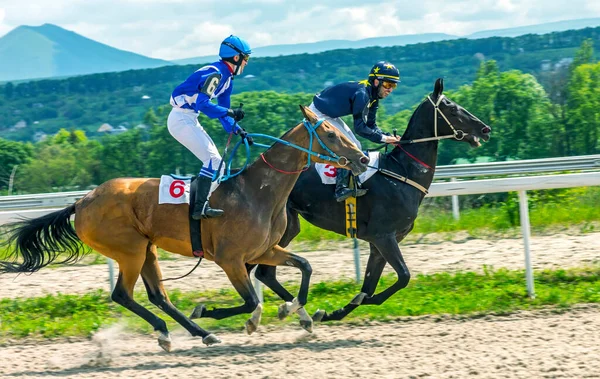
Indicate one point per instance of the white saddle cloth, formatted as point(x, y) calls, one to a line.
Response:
point(327, 172)
point(174, 191)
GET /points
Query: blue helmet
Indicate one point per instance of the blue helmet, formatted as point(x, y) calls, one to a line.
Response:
point(384, 71)
point(232, 46)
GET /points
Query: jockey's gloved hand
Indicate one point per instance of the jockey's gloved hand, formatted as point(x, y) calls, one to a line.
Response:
point(236, 113)
point(246, 137)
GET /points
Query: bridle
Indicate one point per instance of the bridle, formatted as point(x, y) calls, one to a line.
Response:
point(456, 133)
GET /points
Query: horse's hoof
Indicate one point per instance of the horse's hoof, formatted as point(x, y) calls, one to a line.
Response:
point(211, 339)
point(318, 315)
point(251, 327)
point(164, 341)
point(284, 310)
point(197, 313)
point(307, 325)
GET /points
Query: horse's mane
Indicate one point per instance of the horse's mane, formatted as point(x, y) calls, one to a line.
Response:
point(410, 123)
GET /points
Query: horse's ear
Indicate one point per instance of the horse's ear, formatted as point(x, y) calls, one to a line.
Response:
point(439, 88)
point(308, 114)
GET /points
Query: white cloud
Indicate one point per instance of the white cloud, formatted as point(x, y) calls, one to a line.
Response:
point(174, 29)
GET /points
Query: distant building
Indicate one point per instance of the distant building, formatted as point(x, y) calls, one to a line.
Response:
point(39, 136)
point(105, 128)
point(546, 65)
point(109, 129)
point(565, 62)
point(119, 129)
point(20, 125)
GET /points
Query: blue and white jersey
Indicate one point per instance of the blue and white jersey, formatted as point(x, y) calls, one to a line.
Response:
point(209, 82)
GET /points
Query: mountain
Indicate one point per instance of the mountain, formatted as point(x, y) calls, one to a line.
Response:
point(49, 51)
point(320, 46)
point(33, 52)
point(317, 47)
point(549, 27)
point(122, 98)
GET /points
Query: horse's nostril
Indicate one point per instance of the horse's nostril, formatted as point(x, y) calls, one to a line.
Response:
point(486, 130)
point(364, 160)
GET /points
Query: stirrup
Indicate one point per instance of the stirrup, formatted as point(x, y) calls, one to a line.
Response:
point(347, 192)
point(207, 212)
point(343, 194)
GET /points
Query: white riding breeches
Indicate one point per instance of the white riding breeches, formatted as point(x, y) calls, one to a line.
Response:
point(338, 123)
point(184, 127)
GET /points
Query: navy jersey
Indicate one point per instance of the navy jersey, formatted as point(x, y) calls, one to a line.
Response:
point(209, 82)
point(356, 99)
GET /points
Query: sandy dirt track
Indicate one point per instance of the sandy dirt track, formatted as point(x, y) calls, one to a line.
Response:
point(541, 344)
point(560, 250)
point(524, 345)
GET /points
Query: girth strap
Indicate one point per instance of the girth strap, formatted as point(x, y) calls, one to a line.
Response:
point(195, 236)
point(403, 179)
point(350, 206)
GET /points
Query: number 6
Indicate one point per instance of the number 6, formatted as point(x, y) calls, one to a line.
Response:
point(177, 188)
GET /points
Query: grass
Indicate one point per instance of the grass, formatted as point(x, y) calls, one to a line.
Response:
point(466, 294)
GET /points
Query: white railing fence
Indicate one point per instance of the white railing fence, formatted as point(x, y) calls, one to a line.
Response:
point(29, 206)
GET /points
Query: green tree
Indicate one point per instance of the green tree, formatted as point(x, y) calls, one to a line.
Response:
point(12, 154)
point(583, 55)
point(9, 90)
point(56, 168)
point(62, 162)
point(517, 109)
point(583, 118)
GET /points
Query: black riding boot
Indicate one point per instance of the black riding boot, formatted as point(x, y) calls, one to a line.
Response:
point(201, 207)
point(342, 192)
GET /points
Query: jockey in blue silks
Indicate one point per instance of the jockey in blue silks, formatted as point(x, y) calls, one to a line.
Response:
point(193, 96)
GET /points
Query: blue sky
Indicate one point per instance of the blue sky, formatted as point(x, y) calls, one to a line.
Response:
point(175, 29)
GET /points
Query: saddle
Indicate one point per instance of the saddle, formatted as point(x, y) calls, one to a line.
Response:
point(168, 194)
point(195, 230)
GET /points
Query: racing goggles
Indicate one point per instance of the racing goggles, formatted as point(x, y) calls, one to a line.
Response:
point(389, 85)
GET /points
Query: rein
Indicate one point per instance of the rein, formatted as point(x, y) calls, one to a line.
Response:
point(282, 171)
point(312, 132)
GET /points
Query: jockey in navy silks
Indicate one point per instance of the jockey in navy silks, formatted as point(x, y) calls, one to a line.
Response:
point(194, 95)
point(361, 100)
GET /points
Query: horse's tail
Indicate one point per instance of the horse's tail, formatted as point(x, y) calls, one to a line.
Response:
point(35, 243)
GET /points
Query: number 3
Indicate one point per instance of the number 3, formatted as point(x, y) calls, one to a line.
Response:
point(331, 171)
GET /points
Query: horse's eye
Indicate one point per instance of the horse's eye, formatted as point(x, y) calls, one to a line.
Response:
point(331, 135)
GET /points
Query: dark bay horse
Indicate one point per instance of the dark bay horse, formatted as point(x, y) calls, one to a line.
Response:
point(386, 214)
point(122, 220)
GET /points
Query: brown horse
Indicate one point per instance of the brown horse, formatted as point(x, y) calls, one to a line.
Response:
point(122, 220)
